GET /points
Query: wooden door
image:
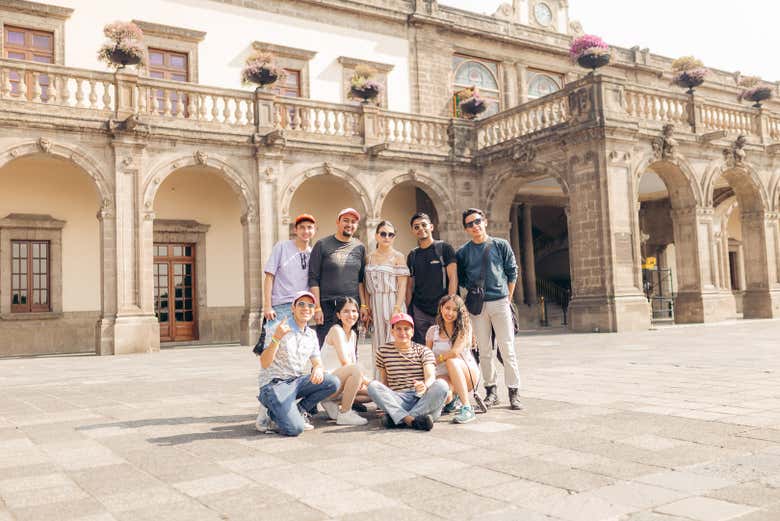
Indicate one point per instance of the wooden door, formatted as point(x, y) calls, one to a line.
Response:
point(174, 291)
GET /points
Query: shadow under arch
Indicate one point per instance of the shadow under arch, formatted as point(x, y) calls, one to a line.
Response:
point(442, 201)
point(751, 193)
point(502, 191)
point(65, 152)
point(295, 183)
point(678, 177)
point(226, 171)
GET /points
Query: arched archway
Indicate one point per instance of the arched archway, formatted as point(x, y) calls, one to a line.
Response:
point(52, 202)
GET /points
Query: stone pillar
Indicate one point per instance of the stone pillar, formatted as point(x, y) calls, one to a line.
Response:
point(511, 90)
point(760, 240)
point(135, 328)
point(529, 260)
point(251, 319)
point(522, 83)
point(514, 241)
point(104, 334)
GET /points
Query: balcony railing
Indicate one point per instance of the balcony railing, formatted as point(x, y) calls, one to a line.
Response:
point(78, 93)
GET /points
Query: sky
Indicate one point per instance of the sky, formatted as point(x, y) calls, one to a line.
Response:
point(733, 35)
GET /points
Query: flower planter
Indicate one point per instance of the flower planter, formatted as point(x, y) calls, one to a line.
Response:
point(471, 108)
point(263, 77)
point(593, 60)
point(366, 93)
point(123, 58)
point(757, 95)
point(688, 81)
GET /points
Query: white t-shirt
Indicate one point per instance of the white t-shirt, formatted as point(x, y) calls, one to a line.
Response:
point(349, 343)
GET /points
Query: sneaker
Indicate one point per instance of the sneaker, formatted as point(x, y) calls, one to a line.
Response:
point(271, 427)
point(514, 400)
point(261, 423)
point(423, 422)
point(307, 426)
point(331, 408)
point(359, 407)
point(465, 415)
point(481, 407)
point(350, 418)
point(491, 398)
point(388, 422)
point(452, 406)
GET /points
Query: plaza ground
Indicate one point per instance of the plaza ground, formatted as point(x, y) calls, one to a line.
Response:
point(668, 425)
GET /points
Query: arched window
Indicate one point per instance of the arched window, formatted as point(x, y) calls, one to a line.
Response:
point(482, 74)
point(540, 84)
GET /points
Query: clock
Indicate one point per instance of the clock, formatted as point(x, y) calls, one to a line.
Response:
point(543, 14)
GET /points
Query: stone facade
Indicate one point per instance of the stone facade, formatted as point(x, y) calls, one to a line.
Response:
point(585, 148)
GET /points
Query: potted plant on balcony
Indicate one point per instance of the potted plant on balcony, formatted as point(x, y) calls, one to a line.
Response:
point(470, 102)
point(688, 73)
point(124, 45)
point(754, 90)
point(361, 86)
point(261, 69)
point(589, 51)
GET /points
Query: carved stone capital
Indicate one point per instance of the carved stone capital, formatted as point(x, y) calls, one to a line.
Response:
point(735, 155)
point(665, 146)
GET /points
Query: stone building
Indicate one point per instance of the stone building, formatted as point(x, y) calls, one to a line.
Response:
point(137, 207)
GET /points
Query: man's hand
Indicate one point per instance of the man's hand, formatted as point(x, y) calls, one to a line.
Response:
point(365, 314)
point(420, 387)
point(317, 375)
point(269, 313)
point(282, 329)
point(319, 318)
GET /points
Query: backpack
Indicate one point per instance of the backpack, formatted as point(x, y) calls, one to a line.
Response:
point(438, 248)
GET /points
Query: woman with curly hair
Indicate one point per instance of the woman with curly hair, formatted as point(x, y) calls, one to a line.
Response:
point(450, 339)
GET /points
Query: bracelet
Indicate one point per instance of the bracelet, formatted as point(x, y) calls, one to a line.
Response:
point(364, 306)
point(274, 340)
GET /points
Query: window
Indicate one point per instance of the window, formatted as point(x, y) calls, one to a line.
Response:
point(291, 86)
point(482, 74)
point(168, 65)
point(30, 270)
point(30, 45)
point(541, 84)
point(348, 66)
point(295, 62)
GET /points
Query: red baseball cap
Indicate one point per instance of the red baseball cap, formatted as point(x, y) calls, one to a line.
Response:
point(305, 217)
point(301, 294)
point(348, 211)
point(401, 317)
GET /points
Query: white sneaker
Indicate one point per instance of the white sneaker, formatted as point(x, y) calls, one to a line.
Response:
point(350, 418)
point(331, 408)
point(307, 426)
point(271, 427)
point(261, 423)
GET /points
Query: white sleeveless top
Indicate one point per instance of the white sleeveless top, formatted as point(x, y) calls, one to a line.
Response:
point(441, 346)
point(351, 344)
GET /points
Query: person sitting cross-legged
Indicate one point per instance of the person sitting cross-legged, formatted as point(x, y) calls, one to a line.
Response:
point(284, 378)
point(407, 390)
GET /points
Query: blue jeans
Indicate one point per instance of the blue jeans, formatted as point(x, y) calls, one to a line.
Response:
point(399, 405)
point(282, 311)
point(280, 399)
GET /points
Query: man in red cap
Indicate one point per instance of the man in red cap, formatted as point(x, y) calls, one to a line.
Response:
point(336, 269)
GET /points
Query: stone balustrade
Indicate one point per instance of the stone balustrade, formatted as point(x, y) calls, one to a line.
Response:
point(738, 119)
point(313, 119)
point(649, 104)
point(414, 132)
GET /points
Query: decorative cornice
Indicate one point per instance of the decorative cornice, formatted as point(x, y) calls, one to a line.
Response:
point(36, 9)
point(31, 220)
point(168, 31)
point(281, 51)
point(351, 63)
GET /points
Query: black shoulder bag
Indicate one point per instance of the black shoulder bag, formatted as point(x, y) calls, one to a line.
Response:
point(260, 345)
point(475, 296)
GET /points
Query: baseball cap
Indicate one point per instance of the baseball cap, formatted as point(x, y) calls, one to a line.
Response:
point(347, 211)
point(305, 217)
point(401, 317)
point(301, 294)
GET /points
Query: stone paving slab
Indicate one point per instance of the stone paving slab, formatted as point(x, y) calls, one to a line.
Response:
point(679, 424)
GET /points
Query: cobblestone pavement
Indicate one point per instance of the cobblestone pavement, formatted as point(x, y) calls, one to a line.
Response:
point(675, 424)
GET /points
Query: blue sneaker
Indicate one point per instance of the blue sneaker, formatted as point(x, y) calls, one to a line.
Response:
point(452, 406)
point(465, 415)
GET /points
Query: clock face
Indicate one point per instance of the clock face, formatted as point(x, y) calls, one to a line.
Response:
point(543, 14)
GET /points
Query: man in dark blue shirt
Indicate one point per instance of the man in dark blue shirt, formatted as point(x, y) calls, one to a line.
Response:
point(500, 277)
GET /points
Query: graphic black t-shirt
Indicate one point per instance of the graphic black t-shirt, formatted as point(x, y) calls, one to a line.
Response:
point(337, 267)
point(428, 288)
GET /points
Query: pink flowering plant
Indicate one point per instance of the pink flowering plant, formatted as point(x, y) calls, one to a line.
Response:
point(688, 72)
point(362, 86)
point(753, 89)
point(261, 69)
point(123, 46)
point(470, 102)
point(587, 44)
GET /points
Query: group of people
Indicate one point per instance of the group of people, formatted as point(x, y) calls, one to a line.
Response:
point(425, 336)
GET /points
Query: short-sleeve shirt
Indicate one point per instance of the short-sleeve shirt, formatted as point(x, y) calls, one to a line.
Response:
point(427, 273)
point(290, 268)
point(337, 267)
point(296, 349)
point(403, 368)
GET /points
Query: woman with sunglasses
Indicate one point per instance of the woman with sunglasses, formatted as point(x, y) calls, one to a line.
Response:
point(450, 339)
point(386, 278)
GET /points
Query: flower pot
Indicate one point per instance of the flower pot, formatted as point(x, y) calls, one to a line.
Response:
point(758, 95)
point(472, 107)
point(592, 60)
point(687, 81)
point(263, 77)
point(365, 93)
point(123, 58)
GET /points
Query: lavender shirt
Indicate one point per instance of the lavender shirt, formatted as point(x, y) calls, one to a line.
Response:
point(290, 269)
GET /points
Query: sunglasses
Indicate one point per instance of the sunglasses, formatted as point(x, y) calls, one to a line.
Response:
point(420, 226)
point(475, 222)
point(385, 235)
point(305, 305)
point(303, 260)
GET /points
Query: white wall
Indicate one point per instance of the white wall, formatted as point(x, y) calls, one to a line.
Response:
point(60, 189)
point(323, 196)
point(398, 208)
point(201, 195)
point(230, 32)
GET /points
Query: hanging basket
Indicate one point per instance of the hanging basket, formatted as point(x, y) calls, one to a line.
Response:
point(365, 93)
point(593, 61)
point(123, 58)
point(263, 77)
point(758, 95)
point(472, 107)
point(687, 81)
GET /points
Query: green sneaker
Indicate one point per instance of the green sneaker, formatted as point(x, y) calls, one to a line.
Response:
point(465, 415)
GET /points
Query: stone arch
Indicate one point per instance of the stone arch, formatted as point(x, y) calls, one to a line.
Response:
point(751, 193)
point(442, 200)
point(228, 172)
point(678, 176)
point(774, 191)
point(69, 153)
point(326, 169)
point(501, 193)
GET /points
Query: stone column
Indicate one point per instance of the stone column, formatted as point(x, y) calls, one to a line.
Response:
point(522, 83)
point(514, 241)
point(760, 241)
point(253, 270)
point(511, 90)
point(529, 260)
point(104, 334)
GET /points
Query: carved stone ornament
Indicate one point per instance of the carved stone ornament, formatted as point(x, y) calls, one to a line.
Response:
point(269, 171)
point(665, 146)
point(44, 144)
point(524, 153)
point(735, 155)
point(327, 167)
point(201, 157)
point(580, 104)
point(133, 123)
point(504, 12)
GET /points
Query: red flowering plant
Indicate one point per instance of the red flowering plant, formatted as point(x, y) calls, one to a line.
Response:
point(123, 46)
point(589, 51)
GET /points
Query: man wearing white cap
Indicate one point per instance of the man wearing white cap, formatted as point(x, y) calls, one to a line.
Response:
point(336, 269)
